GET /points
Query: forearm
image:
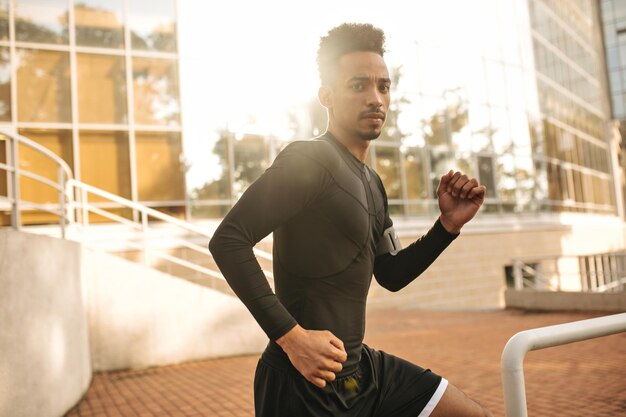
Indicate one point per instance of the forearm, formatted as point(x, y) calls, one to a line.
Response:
point(243, 273)
point(396, 272)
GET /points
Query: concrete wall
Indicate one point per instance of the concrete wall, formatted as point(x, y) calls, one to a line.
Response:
point(140, 317)
point(566, 301)
point(66, 311)
point(44, 351)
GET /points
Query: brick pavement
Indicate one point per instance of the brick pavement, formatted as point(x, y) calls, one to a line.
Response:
point(582, 379)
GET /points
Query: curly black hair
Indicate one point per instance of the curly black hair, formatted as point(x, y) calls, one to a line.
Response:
point(344, 39)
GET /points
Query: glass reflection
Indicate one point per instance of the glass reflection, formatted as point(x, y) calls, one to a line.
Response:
point(105, 163)
point(5, 85)
point(486, 174)
point(101, 89)
point(57, 141)
point(251, 157)
point(506, 181)
point(209, 179)
point(5, 218)
point(153, 25)
point(99, 23)
point(415, 170)
point(4, 20)
point(388, 168)
point(160, 170)
point(42, 21)
point(43, 86)
point(501, 135)
point(156, 97)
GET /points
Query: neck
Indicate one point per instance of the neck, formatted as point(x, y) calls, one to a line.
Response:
point(357, 146)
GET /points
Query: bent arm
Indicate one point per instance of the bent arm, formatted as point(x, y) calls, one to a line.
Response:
point(286, 188)
point(395, 272)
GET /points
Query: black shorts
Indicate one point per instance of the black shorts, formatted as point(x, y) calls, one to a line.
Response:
point(383, 385)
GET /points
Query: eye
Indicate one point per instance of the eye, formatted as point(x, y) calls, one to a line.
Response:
point(384, 88)
point(357, 87)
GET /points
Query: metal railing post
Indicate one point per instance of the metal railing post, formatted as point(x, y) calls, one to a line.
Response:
point(518, 276)
point(144, 230)
point(523, 342)
point(16, 218)
point(62, 201)
point(84, 208)
point(71, 206)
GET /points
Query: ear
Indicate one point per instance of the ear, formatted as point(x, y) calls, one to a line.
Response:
point(325, 96)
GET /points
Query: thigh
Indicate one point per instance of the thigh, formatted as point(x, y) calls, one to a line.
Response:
point(405, 389)
point(271, 391)
point(455, 403)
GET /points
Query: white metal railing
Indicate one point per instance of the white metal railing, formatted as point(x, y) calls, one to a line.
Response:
point(518, 346)
point(602, 272)
point(150, 231)
point(15, 173)
point(150, 241)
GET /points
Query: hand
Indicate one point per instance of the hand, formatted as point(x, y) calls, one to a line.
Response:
point(459, 200)
point(316, 354)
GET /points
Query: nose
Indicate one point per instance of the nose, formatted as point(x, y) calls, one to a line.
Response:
point(375, 99)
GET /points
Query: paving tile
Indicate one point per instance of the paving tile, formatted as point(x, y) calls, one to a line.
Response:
point(585, 378)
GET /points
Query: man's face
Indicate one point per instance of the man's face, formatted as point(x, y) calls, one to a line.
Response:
point(359, 98)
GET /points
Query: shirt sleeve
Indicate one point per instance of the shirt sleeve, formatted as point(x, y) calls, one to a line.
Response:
point(395, 272)
point(293, 182)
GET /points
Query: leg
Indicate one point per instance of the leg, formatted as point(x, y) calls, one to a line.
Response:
point(454, 403)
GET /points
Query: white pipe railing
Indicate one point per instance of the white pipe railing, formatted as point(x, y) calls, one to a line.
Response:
point(15, 172)
point(74, 208)
point(523, 342)
point(599, 272)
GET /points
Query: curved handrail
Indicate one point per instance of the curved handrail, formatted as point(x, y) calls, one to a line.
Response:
point(12, 167)
point(518, 346)
point(74, 204)
point(75, 184)
point(42, 149)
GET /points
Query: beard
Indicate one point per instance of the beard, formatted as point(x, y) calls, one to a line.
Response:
point(369, 136)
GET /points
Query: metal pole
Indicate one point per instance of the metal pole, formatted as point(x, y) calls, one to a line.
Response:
point(144, 230)
point(16, 219)
point(62, 215)
point(517, 275)
point(523, 342)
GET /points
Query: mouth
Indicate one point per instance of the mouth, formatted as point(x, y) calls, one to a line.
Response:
point(373, 116)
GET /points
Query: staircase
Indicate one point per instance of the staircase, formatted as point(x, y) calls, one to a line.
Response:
point(124, 227)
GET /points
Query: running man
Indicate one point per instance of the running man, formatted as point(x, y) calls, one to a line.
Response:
point(329, 215)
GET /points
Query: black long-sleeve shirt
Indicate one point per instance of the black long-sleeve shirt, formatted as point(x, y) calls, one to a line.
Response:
point(328, 212)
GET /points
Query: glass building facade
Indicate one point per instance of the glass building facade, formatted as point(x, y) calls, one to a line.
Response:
point(575, 109)
point(97, 82)
point(613, 17)
point(513, 93)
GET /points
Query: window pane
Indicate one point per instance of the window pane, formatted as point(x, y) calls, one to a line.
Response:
point(4, 191)
point(42, 21)
point(250, 160)
point(388, 168)
point(105, 161)
point(57, 141)
point(208, 179)
point(5, 85)
point(153, 25)
point(100, 23)
point(416, 180)
point(486, 175)
point(43, 86)
point(160, 171)
point(155, 84)
point(4, 20)
point(101, 89)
